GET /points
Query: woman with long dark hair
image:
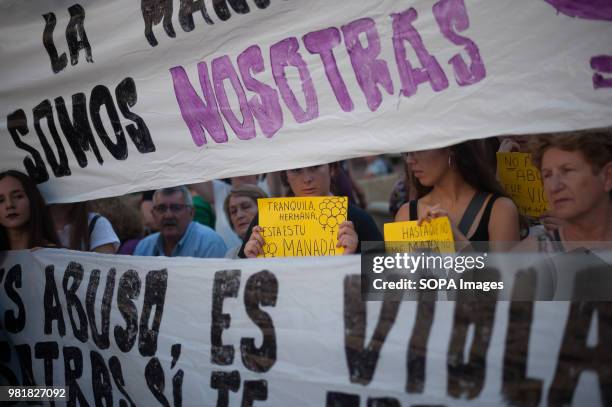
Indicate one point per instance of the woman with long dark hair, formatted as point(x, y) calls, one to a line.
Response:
point(458, 182)
point(25, 221)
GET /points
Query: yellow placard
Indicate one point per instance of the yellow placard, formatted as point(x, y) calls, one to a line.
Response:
point(295, 227)
point(435, 236)
point(522, 181)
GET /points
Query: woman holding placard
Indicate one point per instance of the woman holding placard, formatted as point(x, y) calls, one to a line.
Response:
point(25, 221)
point(576, 170)
point(313, 182)
point(456, 182)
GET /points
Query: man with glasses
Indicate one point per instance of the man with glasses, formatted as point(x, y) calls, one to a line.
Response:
point(178, 234)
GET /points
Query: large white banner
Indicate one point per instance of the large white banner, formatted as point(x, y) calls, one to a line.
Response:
point(284, 332)
point(102, 98)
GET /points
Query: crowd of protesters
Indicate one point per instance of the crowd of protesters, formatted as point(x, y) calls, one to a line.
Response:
point(219, 218)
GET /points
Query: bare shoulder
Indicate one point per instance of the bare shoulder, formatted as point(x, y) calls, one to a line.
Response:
point(504, 206)
point(403, 214)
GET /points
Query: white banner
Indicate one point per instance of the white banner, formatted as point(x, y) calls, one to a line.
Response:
point(284, 332)
point(102, 98)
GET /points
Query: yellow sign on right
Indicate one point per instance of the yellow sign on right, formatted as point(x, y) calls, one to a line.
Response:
point(522, 181)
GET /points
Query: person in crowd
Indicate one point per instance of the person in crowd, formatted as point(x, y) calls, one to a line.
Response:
point(146, 212)
point(576, 169)
point(344, 184)
point(403, 190)
point(203, 211)
point(81, 229)
point(310, 182)
point(216, 191)
point(25, 221)
point(125, 219)
point(240, 207)
point(178, 234)
point(377, 165)
point(454, 182)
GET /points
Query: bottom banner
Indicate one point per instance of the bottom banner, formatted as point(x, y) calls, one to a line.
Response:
point(119, 330)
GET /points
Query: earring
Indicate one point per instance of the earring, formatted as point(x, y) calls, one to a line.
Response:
point(450, 165)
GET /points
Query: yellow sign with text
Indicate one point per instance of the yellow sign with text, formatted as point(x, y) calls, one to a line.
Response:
point(295, 227)
point(434, 237)
point(522, 181)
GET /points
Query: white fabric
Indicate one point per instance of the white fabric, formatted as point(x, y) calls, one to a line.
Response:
point(309, 327)
point(222, 226)
point(538, 63)
point(232, 253)
point(102, 233)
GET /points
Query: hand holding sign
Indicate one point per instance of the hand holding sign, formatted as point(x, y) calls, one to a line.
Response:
point(347, 237)
point(254, 247)
point(431, 233)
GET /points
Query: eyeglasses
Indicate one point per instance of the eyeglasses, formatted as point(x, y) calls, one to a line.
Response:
point(174, 208)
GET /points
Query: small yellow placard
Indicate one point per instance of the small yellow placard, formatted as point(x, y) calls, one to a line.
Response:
point(434, 237)
point(295, 227)
point(522, 181)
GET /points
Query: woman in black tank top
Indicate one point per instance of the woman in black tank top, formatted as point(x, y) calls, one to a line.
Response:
point(456, 182)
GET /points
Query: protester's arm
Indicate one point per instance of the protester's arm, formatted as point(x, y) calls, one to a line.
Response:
point(504, 228)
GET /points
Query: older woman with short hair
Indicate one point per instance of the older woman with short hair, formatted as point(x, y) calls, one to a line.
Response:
point(576, 170)
point(240, 207)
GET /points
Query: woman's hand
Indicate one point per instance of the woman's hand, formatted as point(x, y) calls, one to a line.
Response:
point(550, 222)
point(254, 247)
point(432, 212)
point(347, 237)
point(436, 211)
point(509, 145)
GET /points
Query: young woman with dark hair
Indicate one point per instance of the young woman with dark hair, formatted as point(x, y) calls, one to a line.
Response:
point(457, 182)
point(25, 221)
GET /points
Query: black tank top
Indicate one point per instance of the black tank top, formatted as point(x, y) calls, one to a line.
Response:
point(482, 230)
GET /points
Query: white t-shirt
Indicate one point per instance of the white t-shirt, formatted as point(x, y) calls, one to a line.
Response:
point(102, 233)
point(221, 190)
